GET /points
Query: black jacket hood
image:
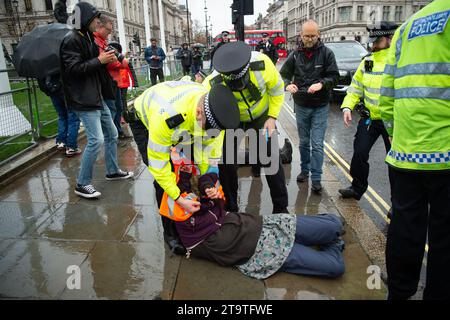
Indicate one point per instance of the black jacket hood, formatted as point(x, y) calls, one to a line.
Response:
point(87, 13)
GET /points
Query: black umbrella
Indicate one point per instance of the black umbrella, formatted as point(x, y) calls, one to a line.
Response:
point(37, 54)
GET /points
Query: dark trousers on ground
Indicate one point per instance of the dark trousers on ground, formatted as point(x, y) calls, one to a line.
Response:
point(367, 134)
point(156, 73)
point(140, 134)
point(421, 203)
point(229, 177)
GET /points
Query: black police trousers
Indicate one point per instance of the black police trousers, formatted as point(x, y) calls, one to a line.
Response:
point(229, 177)
point(421, 203)
point(140, 134)
point(365, 137)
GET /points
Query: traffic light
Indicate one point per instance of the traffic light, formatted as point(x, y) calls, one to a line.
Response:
point(136, 39)
point(241, 7)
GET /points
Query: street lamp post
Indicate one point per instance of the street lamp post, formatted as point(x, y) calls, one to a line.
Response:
point(15, 4)
point(206, 23)
point(188, 32)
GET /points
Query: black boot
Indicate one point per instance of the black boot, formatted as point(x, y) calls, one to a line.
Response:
point(175, 245)
point(349, 193)
point(286, 152)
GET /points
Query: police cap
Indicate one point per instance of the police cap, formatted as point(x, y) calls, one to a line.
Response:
point(232, 60)
point(265, 34)
point(225, 33)
point(384, 28)
point(221, 108)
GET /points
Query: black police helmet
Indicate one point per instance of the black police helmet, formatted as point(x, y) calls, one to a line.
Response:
point(221, 109)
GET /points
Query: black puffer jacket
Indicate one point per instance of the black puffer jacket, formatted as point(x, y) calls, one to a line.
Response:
point(81, 68)
point(305, 67)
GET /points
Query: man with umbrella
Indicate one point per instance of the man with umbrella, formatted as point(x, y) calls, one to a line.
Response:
point(81, 69)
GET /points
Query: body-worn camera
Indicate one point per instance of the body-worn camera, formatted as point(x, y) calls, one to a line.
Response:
point(362, 110)
point(118, 55)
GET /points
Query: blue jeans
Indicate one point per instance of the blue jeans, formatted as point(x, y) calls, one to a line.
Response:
point(99, 128)
point(311, 126)
point(68, 123)
point(319, 230)
point(115, 108)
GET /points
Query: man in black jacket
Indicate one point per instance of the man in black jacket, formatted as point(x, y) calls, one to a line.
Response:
point(185, 55)
point(60, 11)
point(268, 48)
point(310, 73)
point(82, 68)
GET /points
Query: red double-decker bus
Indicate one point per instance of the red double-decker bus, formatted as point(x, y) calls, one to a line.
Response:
point(252, 37)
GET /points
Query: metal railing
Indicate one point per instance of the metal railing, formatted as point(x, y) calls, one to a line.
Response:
point(28, 117)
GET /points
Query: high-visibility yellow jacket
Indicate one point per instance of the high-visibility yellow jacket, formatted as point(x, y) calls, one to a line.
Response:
point(166, 100)
point(415, 91)
point(269, 83)
point(366, 84)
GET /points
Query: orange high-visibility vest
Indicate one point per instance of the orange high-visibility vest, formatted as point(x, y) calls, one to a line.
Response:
point(169, 208)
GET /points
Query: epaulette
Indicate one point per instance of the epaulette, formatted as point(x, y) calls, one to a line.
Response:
point(257, 65)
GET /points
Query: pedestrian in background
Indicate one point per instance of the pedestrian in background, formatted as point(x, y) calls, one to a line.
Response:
point(415, 107)
point(155, 56)
point(365, 85)
point(310, 73)
point(197, 60)
point(185, 55)
point(113, 102)
point(68, 121)
point(82, 66)
point(267, 47)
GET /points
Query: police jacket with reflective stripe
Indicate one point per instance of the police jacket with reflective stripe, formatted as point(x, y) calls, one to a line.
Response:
point(166, 100)
point(366, 84)
point(269, 83)
point(304, 71)
point(415, 91)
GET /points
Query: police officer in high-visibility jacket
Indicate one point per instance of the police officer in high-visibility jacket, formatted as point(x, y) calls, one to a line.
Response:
point(259, 91)
point(365, 86)
point(186, 115)
point(415, 107)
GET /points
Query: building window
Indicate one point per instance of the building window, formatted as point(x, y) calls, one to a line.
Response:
point(398, 13)
point(28, 6)
point(386, 10)
point(344, 14)
point(48, 5)
point(360, 12)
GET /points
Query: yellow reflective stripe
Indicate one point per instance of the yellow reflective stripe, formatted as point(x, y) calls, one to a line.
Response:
point(182, 94)
point(372, 90)
point(357, 83)
point(278, 90)
point(354, 90)
point(171, 205)
point(261, 83)
point(261, 112)
point(423, 93)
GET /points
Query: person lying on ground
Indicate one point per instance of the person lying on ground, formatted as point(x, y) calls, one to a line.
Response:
point(257, 245)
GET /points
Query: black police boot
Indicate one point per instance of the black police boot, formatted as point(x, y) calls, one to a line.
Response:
point(175, 245)
point(286, 152)
point(349, 193)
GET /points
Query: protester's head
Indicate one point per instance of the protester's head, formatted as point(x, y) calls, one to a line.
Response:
point(88, 17)
point(218, 109)
point(184, 45)
point(380, 35)
point(154, 42)
point(105, 27)
point(310, 33)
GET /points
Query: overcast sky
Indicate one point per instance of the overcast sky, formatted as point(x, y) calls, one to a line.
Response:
point(220, 12)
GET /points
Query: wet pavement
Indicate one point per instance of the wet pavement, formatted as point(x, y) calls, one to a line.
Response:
point(117, 241)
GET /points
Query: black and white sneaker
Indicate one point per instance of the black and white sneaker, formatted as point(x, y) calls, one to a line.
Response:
point(121, 175)
point(87, 191)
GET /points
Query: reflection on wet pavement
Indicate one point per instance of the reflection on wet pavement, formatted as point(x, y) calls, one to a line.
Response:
point(116, 241)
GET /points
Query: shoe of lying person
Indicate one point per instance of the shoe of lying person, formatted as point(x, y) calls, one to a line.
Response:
point(87, 191)
point(175, 245)
point(286, 152)
point(121, 175)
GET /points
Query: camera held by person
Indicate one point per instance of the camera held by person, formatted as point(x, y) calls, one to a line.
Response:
point(118, 55)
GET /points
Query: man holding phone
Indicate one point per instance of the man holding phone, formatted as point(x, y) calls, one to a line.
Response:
point(155, 56)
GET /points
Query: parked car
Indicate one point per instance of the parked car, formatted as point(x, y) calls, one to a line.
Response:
point(348, 57)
